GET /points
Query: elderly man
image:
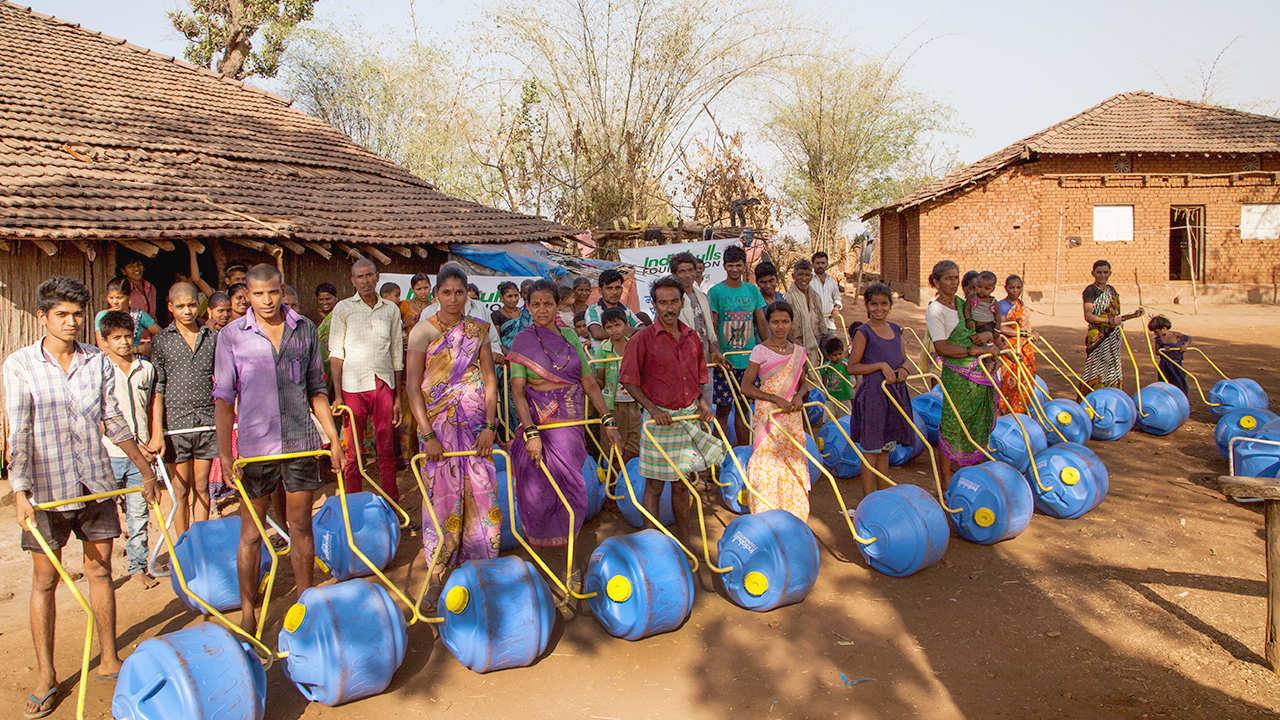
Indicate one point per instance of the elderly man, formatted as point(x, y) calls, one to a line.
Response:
point(828, 290)
point(808, 329)
point(664, 370)
point(366, 363)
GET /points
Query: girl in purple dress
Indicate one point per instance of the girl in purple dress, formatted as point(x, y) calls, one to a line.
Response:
point(876, 352)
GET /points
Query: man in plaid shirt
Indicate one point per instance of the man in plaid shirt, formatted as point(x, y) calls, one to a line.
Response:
point(59, 394)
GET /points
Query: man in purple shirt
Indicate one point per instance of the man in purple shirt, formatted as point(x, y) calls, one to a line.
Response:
point(270, 360)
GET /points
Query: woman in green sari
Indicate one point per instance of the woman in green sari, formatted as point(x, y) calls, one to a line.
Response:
point(962, 374)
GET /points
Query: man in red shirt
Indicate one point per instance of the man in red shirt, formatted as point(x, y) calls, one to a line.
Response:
point(664, 370)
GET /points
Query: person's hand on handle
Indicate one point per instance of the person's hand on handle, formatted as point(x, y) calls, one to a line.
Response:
point(705, 413)
point(615, 437)
point(25, 510)
point(484, 443)
point(434, 450)
point(534, 447)
point(230, 471)
point(901, 375)
point(661, 417)
point(151, 491)
point(337, 458)
point(888, 372)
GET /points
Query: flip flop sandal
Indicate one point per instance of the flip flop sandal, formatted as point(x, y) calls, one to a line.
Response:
point(111, 678)
point(54, 693)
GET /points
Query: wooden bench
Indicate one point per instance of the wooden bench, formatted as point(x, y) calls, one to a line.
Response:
point(1268, 489)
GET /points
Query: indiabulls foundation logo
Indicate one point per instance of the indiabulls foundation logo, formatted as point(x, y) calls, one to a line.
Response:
point(657, 265)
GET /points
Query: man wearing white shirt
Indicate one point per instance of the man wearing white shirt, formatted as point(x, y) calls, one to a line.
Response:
point(366, 361)
point(828, 289)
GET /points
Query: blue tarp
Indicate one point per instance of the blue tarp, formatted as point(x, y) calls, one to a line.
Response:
point(520, 259)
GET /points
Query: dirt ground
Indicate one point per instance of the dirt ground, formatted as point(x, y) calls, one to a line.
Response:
point(1150, 606)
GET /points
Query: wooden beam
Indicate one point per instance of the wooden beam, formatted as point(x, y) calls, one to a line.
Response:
point(401, 250)
point(251, 244)
point(422, 251)
point(49, 248)
point(374, 252)
point(319, 249)
point(163, 245)
point(354, 253)
point(195, 245)
point(142, 248)
point(87, 248)
point(5, 246)
point(293, 246)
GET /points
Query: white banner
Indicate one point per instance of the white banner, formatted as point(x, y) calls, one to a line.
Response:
point(488, 285)
point(651, 263)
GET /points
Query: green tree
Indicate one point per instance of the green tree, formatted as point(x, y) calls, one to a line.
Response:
point(622, 82)
point(852, 135)
point(407, 102)
point(228, 28)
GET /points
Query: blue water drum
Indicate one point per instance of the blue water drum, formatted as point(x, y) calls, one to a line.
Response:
point(345, 641)
point(774, 557)
point(1116, 413)
point(815, 472)
point(1076, 478)
point(837, 452)
point(1235, 394)
point(903, 454)
point(733, 492)
point(1071, 420)
point(593, 479)
point(1159, 412)
point(1240, 422)
point(373, 524)
point(206, 552)
point(629, 511)
point(498, 614)
point(910, 530)
point(929, 407)
point(1042, 389)
point(201, 673)
point(642, 585)
point(1008, 444)
point(510, 515)
point(994, 501)
point(817, 415)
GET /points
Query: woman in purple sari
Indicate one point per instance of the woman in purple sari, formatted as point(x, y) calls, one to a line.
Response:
point(549, 386)
point(450, 366)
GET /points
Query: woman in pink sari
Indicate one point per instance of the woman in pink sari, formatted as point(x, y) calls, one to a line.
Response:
point(450, 366)
point(778, 471)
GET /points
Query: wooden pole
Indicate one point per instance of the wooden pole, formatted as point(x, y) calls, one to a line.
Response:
point(1135, 282)
point(1271, 511)
point(1191, 254)
point(1057, 262)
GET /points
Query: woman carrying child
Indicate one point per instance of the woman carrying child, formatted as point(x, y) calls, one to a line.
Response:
point(778, 469)
point(876, 352)
point(1014, 377)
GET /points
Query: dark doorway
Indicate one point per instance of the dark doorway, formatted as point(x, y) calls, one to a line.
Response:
point(1186, 242)
point(162, 270)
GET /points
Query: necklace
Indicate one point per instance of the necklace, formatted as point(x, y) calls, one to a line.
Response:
point(568, 356)
point(446, 330)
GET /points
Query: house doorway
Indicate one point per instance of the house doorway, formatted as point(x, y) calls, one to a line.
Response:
point(163, 269)
point(1186, 242)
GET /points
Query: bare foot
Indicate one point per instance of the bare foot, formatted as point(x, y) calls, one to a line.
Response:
point(146, 581)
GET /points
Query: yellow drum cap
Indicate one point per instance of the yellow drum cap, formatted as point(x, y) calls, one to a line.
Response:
point(618, 589)
point(1248, 422)
point(820, 442)
point(755, 583)
point(984, 517)
point(742, 496)
point(1064, 418)
point(457, 599)
point(1070, 476)
point(293, 619)
point(602, 474)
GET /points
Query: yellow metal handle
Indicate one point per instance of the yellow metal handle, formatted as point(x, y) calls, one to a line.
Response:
point(631, 492)
point(933, 459)
point(1026, 439)
point(1084, 399)
point(1192, 348)
point(693, 493)
point(1192, 375)
point(351, 417)
point(844, 509)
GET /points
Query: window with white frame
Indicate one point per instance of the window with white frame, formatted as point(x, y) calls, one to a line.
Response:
point(1112, 223)
point(1260, 222)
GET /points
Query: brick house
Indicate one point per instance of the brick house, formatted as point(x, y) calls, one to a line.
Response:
point(1170, 189)
point(110, 151)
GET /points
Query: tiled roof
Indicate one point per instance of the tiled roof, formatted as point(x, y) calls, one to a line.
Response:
point(103, 139)
point(1134, 122)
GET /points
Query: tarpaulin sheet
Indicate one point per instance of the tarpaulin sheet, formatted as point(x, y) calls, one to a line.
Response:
point(511, 259)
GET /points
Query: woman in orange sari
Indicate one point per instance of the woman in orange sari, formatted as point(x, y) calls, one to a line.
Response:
point(1015, 378)
point(778, 471)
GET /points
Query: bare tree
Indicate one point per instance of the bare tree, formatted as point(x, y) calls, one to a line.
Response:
point(852, 134)
point(717, 173)
point(228, 27)
point(622, 82)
